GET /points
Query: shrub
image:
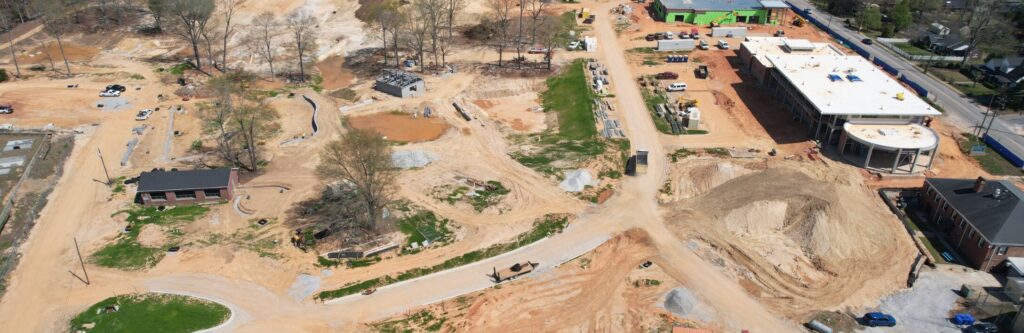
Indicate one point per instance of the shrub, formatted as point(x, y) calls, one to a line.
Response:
point(37, 68)
point(3, 75)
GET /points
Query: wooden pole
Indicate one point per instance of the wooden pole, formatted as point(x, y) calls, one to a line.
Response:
point(82, 262)
point(98, 152)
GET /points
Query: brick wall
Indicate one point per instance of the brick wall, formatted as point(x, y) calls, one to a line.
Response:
point(967, 241)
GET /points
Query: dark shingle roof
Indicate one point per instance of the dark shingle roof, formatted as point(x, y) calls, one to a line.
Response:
point(1001, 221)
point(161, 181)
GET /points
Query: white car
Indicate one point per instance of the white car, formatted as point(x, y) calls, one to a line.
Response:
point(678, 86)
point(143, 114)
point(669, 35)
point(110, 93)
point(722, 44)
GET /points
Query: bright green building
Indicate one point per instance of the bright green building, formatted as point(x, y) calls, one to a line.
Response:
point(706, 12)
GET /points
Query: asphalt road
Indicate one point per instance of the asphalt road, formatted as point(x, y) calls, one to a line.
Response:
point(960, 110)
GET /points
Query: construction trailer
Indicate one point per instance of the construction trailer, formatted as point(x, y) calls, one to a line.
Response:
point(718, 12)
point(512, 272)
point(400, 83)
point(676, 45)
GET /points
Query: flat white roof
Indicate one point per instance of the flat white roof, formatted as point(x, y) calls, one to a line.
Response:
point(849, 85)
point(905, 136)
point(760, 47)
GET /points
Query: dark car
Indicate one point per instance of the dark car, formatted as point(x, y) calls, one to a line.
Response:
point(660, 36)
point(589, 19)
point(874, 319)
point(667, 76)
point(867, 41)
point(116, 87)
point(983, 327)
point(650, 37)
point(701, 72)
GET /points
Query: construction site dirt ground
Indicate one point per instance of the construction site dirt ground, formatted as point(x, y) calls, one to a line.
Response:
point(785, 265)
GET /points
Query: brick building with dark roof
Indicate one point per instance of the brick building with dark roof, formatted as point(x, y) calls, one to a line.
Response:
point(187, 187)
point(983, 219)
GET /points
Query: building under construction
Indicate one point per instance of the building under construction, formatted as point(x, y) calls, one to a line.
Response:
point(400, 83)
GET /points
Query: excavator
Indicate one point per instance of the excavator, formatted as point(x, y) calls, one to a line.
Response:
point(716, 21)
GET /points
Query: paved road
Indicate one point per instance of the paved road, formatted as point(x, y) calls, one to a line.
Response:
point(959, 109)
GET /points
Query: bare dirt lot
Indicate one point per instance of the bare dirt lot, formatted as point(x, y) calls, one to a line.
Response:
point(401, 127)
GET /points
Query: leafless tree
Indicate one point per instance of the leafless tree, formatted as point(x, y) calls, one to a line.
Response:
point(536, 8)
point(500, 13)
point(551, 32)
point(190, 21)
point(399, 21)
point(452, 9)
point(983, 24)
point(302, 27)
point(519, 36)
point(6, 22)
point(209, 33)
point(240, 122)
point(386, 19)
point(431, 13)
point(262, 36)
point(362, 158)
point(227, 11)
point(417, 33)
point(157, 8)
point(55, 21)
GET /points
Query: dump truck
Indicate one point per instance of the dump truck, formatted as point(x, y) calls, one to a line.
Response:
point(641, 162)
point(512, 272)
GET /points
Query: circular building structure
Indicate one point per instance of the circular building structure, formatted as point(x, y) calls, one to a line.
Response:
point(892, 148)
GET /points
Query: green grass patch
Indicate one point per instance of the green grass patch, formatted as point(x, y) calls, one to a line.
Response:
point(138, 77)
point(975, 90)
point(992, 162)
point(680, 153)
point(542, 228)
point(180, 69)
point(644, 50)
point(155, 313)
point(720, 152)
point(488, 196)
point(652, 100)
point(912, 49)
point(118, 185)
point(424, 225)
point(569, 95)
point(126, 252)
point(317, 83)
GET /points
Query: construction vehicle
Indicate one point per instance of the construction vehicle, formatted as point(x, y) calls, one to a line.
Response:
point(641, 162)
point(585, 13)
point(799, 21)
point(701, 72)
point(717, 21)
point(512, 272)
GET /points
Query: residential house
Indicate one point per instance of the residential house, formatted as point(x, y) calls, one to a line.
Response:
point(944, 44)
point(983, 219)
point(1004, 72)
point(175, 187)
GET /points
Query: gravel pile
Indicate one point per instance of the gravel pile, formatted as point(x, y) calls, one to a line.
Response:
point(113, 104)
point(683, 304)
point(411, 159)
point(577, 180)
point(304, 286)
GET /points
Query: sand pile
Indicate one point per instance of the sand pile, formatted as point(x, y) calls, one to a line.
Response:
point(699, 176)
point(810, 242)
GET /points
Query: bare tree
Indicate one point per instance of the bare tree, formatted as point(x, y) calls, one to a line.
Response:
point(536, 8)
point(399, 21)
point(157, 8)
point(431, 13)
point(303, 29)
point(190, 19)
point(362, 158)
point(417, 31)
point(7, 23)
point(227, 8)
point(262, 35)
point(551, 32)
point(983, 24)
point(239, 121)
point(519, 36)
point(386, 19)
point(501, 11)
point(210, 34)
point(452, 8)
point(55, 21)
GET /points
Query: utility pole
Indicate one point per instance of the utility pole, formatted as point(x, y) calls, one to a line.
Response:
point(98, 152)
point(82, 262)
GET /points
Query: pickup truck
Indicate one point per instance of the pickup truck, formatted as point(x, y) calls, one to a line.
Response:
point(110, 93)
point(143, 114)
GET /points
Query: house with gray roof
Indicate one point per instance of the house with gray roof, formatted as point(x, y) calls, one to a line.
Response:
point(983, 219)
point(187, 187)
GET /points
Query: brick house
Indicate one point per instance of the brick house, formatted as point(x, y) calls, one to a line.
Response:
point(983, 219)
point(187, 187)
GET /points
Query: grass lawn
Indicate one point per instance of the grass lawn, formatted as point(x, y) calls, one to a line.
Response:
point(975, 89)
point(153, 313)
point(570, 96)
point(424, 225)
point(126, 252)
point(992, 162)
point(542, 228)
point(911, 49)
point(652, 100)
point(949, 75)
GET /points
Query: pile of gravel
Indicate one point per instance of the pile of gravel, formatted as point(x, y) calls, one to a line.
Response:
point(304, 286)
point(113, 104)
point(411, 159)
point(577, 180)
point(683, 304)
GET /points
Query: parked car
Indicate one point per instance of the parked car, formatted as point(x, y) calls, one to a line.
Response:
point(722, 44)
point(667, 76)
point(867, 41)
point(703, 45)
point(659, 35)
point(6, 109)
point(670, 35)
point(983, 327)
point(650, 37)
point(574, 45)
point(143, 114)
point(589, 19)
point(780, 33)
point(678, 86)
point(537, 50)
point(117, 87)
point(701, 72)
point(874, 319)
point(110, 93)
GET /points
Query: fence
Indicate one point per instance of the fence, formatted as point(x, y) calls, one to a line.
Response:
point(1017, 161)
point(888, 43)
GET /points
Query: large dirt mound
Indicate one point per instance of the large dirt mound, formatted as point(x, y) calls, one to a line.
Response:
point(806, 241)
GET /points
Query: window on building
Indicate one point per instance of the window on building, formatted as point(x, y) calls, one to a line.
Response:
point(185, 195)
point(1001, 251)
point(981, 242)
point(211, 193)
point(158, 196)
point(971, 234)
point(962, 222)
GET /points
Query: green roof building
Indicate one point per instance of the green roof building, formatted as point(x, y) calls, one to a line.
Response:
point(718, 12)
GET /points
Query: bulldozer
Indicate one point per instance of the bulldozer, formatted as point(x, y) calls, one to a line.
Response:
point(686, 103)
